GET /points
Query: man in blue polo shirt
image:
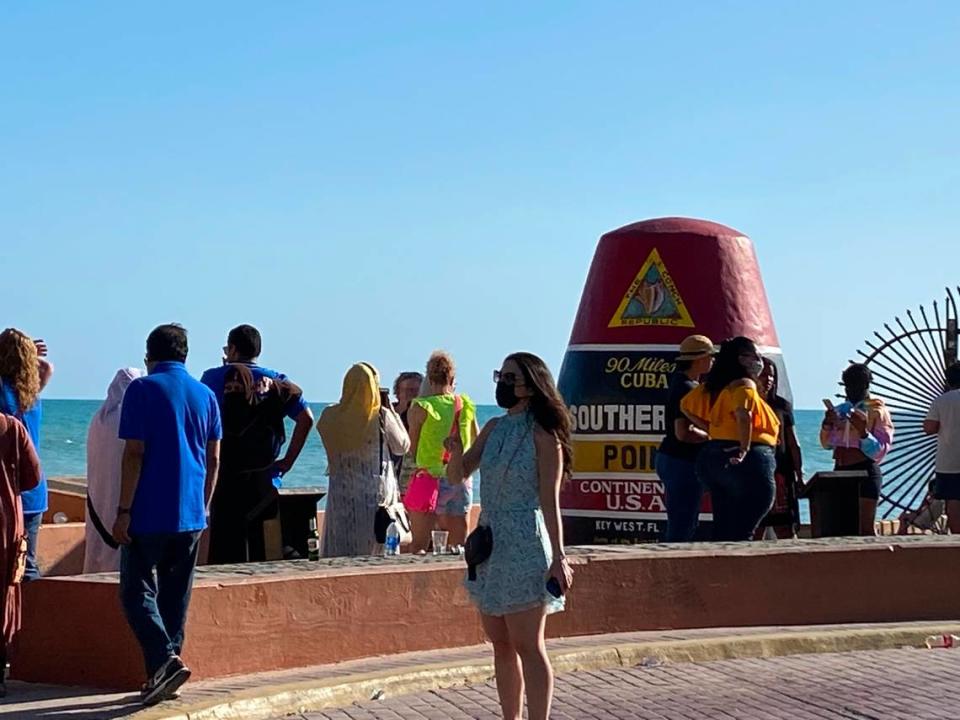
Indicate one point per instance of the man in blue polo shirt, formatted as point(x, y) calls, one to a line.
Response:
point(171, 425)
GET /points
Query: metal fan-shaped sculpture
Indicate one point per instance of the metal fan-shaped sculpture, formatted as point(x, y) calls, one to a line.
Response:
point(908, 362)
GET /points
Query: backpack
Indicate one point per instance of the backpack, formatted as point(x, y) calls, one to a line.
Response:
point(253, 422)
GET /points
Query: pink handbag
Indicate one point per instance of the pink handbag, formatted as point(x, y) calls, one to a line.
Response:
point(422, 493)
point(424, 488)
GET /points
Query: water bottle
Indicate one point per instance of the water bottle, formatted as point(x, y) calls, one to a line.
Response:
point(313, 541)
point(391, 546)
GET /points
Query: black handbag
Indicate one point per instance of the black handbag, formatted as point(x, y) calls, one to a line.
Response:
point(478, 549)
point(479, 545)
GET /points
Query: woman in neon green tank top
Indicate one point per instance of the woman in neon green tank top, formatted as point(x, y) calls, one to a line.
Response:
point(431, 420)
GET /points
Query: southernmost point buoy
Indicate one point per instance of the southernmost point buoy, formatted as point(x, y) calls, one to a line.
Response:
point(651, 284)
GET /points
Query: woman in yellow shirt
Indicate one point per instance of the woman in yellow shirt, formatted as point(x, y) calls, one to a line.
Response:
point(737, 464)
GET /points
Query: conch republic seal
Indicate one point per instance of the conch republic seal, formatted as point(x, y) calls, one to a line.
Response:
point(651, 285)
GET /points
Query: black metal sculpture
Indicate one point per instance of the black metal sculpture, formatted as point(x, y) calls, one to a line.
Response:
point(908, 364)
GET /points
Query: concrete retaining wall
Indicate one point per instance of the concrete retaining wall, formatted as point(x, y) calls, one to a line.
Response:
point(285, 615)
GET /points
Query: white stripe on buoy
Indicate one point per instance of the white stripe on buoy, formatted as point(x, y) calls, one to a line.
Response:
point(607, 347)
point(627, 515)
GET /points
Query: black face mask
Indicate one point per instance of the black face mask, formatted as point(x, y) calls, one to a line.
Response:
point(506, 395)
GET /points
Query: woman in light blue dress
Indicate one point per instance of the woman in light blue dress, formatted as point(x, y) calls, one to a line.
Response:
point(523, 458)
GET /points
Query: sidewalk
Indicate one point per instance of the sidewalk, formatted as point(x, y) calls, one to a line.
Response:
point(269, 695)
point(870, 685)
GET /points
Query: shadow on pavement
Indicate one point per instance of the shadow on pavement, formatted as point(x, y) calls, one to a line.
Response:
point(26, 701)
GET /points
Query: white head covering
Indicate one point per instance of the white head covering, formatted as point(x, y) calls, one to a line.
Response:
point(104, 459)
point(121, 381)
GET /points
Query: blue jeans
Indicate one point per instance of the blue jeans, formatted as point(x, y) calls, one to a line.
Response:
point(156, 577)
point(683, 492)
point(741, 494)
point(31, 525)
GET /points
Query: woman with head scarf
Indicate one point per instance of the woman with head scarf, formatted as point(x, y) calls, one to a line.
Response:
point(19, 473)
point(104, 456)
point(359, 434)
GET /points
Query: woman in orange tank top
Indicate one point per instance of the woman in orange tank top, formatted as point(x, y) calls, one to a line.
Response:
point(737, 464)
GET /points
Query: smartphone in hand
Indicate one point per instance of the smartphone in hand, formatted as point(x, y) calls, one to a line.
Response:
point(385, 397)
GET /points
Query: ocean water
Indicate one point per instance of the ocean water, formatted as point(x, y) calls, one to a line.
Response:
point(63, 446)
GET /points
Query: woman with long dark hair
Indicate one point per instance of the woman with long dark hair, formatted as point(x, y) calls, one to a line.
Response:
point(523, 457)
point(784, 516)
point(737, 464)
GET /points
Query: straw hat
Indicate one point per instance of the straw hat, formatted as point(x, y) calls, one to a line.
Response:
point(696, 347)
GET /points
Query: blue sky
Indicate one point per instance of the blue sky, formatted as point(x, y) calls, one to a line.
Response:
point(371, 181)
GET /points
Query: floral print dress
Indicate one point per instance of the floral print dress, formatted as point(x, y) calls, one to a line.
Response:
point(514, 578)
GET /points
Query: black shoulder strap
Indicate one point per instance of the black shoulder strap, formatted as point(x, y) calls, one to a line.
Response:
point(98, 525)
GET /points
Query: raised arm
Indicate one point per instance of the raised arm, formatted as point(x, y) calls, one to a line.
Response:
point(877, 439)
point(464, 464)
point(44, 366)
point(46, 372)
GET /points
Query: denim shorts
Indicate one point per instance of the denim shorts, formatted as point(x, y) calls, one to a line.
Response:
point(455, 499)
point(946, 486)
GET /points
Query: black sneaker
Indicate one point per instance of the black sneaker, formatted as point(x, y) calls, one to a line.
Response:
point(166, 682)
point(145, 688)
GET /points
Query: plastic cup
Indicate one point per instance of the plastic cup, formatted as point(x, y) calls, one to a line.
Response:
point(439, 541)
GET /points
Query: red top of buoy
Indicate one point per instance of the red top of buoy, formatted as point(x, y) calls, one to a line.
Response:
point(688, 226)
point(657, 281)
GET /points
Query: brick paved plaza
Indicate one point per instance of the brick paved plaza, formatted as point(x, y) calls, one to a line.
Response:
point(880, 685)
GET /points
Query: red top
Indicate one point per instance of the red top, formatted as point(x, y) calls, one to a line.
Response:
point(658, 281)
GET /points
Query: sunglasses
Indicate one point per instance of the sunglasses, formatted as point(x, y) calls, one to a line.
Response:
point(508, 378)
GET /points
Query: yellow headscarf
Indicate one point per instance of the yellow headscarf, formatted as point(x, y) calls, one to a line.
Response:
point(347, 424)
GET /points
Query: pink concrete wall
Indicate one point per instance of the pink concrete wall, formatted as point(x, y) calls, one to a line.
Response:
point(74, 632)
point(60, 549)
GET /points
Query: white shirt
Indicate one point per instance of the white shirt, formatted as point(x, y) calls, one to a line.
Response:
point(946, 411)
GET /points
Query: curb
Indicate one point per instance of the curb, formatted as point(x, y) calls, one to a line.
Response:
point(278, 700)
